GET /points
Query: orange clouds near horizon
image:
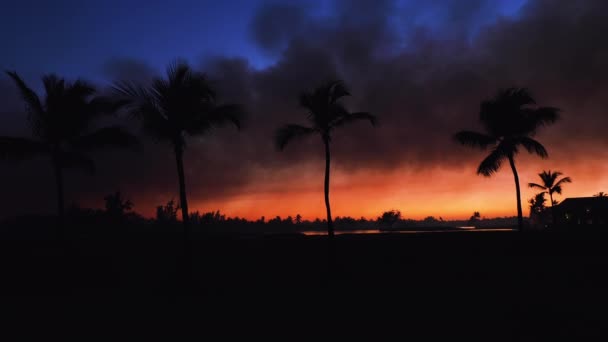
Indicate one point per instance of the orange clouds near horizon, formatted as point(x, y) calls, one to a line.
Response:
point(450, 193)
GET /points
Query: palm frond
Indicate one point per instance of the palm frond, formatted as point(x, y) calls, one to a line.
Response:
point(352, 117)
point(533, 146)
point(557, 189)
point(34, 106)
point(537, 186)
point(336, 90)
point(541, 116)
point(563, 181)
point(474, 139)
point(491, 164)
point(27, 94)
point(17, 149)
point(112, 136)
point(287, 133)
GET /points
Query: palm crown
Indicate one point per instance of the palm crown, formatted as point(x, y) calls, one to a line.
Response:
point(325, 113)
point(61, 123)
point(182, 104)
point(550, 184)
point(510, 122)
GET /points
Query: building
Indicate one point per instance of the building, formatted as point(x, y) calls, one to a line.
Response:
point(583, 212)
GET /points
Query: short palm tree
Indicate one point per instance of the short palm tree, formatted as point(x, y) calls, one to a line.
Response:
point(325, 113)
point(550, 184)
point(184, 104)
point(61, 124)
point(510, 120)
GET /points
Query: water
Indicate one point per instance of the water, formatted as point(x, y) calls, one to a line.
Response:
point(377, 231)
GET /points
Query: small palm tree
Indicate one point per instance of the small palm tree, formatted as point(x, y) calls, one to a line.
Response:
point(549, 184)
point(61, 124)
point(184, 104)
point(325, 113)
point(601, 194)
point(510, 120)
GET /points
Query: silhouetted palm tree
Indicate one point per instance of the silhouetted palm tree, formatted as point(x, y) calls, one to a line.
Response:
point(510, 120)
point(550, 186)
point(325, 113)
point(61, 126)
point(184, 104)
point(601, 194)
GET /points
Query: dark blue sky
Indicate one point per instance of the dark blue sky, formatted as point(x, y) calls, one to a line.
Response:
point(77, 37)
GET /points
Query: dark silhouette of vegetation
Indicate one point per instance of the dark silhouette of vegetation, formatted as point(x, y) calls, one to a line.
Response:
point(62, 127)
point(551, 185)
point(389, 218)
point(116, 205)
point(325, 113)
point(601, 194)
point(167, 213)
point(537, 204)
point(184, 104)
point(474, 218)
point(510, 120)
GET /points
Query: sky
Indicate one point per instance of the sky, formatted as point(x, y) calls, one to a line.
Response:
point(422, 67)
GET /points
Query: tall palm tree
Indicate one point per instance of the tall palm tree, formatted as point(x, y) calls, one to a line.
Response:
point(61, 125)
point(510, 119)
point(325, 113)
point(549, 184)
point(173, 108)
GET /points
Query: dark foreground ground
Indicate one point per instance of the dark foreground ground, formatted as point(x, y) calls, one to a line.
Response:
point(497, 286)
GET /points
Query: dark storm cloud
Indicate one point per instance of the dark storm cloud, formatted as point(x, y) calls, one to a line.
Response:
point(424, 83)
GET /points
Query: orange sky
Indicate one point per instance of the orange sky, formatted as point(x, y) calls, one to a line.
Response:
point(448, 193)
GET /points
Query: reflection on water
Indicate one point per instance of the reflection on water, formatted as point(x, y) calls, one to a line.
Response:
point(377, 231)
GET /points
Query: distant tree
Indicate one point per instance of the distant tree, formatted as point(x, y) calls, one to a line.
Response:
point(298, 219)
point(325, 113)
point(510, 120)
point(116, 205)
point(62, 126)
point(173, 108)
point(601, 194)
point(551, 185)
point(537, 204)
point(389, 218)
point(167, 213)
point(474, 220)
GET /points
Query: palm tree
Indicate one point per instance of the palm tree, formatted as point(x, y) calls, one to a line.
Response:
point(510, 120)
point(325, 113)
point(601, 194)
point(61, 127)
point(184, 104)
point(549, 184)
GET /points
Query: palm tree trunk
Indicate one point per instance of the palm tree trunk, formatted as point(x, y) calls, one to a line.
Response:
point(520, 217)
point(552, 209)
point(60, 197)
point(183, 201)
point(330, 223)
